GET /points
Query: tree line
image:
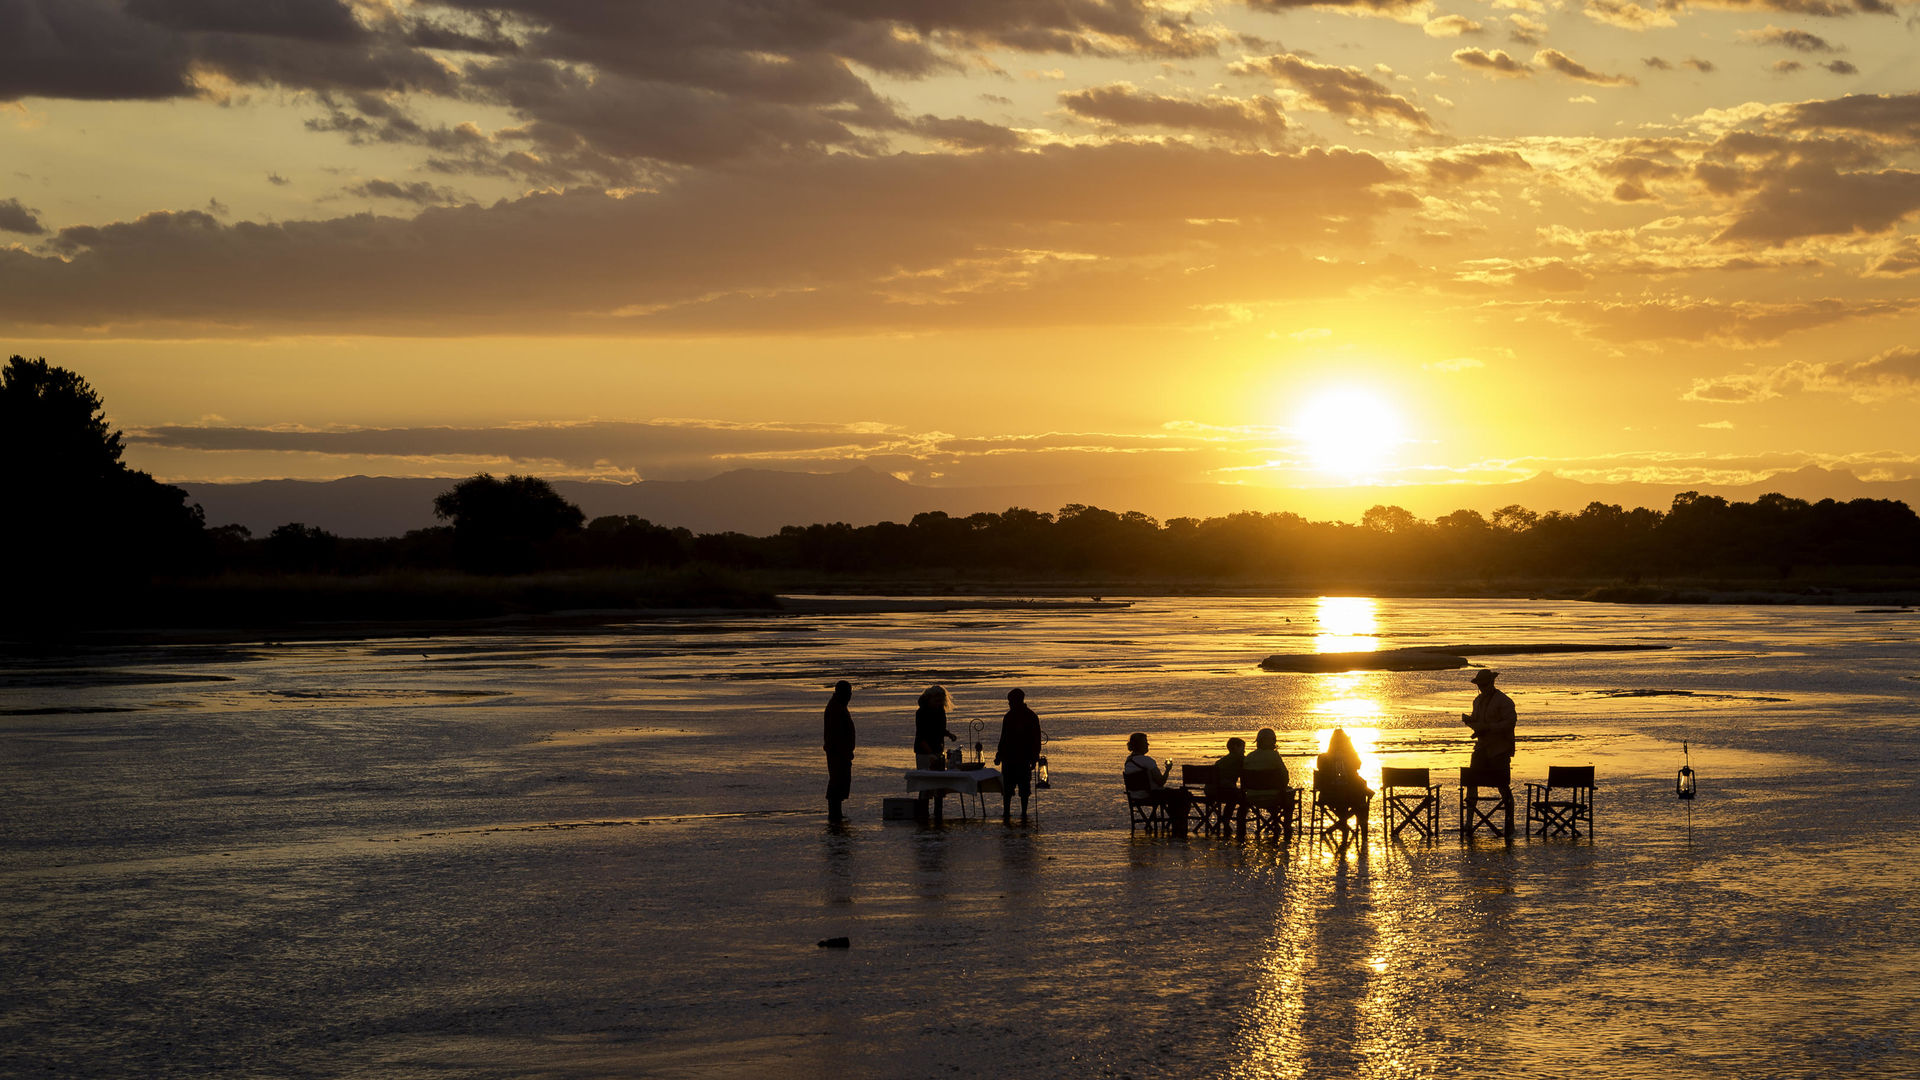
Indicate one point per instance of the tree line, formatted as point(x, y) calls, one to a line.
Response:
point(520, 525)
point(87, 526)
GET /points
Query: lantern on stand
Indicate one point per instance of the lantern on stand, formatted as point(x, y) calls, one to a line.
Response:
point(1683, 782)
point(1040, 763)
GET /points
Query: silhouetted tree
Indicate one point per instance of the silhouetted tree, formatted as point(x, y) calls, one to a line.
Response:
point(82, 525)
point(505, 526)
point(296, 546)
point(1389, 519)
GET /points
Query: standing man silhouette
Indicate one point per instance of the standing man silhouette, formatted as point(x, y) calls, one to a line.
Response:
point(839, 744)
point(1492, 721)
point(1019, 748)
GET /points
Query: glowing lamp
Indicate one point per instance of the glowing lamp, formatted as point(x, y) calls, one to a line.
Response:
point(1683, 782)
point(1040, 773)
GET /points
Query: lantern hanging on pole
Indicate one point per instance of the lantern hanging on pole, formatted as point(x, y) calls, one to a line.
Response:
point(1040, 779)
point(1683, 783)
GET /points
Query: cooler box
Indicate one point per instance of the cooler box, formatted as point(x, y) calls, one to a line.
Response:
point(899, 809)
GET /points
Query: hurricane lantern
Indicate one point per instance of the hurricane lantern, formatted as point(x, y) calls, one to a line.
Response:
point(1683, 782)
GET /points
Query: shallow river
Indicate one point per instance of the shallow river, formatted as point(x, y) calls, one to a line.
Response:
point(604, 854)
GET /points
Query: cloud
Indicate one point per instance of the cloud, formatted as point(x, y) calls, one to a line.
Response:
point(17, 218)
point(1787, 67)
point(1343, 91)
point(657, 449)
point(417, 191)
point(1461, 166)
point(1496, 62)
point(1812, 198)
point(1824, 9)
point(1039, 237)
point(1534, 275)
point(1656, 64)
point(1123, 105)
point(1627, 15)
point(1704, 67)
point(1797, 40)
point(1736, 324)
point(1840, 67)
point(694, 449)
point(1894, 117)
point(1573, 69)
point(1525, 31)
point(1894, 373)
point(1362, 7)
point(1901, 260)
point(1452, 26)
point(599, 91)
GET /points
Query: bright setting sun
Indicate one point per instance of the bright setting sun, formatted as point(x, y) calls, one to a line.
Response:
point(1349, 432)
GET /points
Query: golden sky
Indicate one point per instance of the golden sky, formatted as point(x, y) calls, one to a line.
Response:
point(988, 242)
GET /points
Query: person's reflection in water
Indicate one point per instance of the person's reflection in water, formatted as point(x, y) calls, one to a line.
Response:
point(1018, 749)
point(839, 743)
point(929, 733)
point(1337, 780)
point(1144, 776)
point(1341, 983)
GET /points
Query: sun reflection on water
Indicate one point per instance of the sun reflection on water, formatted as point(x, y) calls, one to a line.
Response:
point(1347, 701)
point(1347, 624)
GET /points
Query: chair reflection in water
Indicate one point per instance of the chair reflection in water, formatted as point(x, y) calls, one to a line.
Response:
point(1482, 796)
point(1559, 806)
point(1409, 799)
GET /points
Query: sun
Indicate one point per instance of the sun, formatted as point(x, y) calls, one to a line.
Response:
point(1349, 432)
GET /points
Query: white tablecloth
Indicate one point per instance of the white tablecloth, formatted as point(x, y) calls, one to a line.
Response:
point(964, 781)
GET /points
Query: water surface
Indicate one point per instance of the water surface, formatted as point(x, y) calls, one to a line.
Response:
point(604, 854)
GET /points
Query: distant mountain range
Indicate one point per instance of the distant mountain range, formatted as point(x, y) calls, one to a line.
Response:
point(761, 501)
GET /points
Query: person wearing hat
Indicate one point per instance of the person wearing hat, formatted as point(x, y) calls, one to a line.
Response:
point(1492, 721)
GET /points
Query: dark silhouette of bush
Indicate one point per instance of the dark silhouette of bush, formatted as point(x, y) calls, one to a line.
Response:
point(507, 526)
point(300, 548)
point(630, 541)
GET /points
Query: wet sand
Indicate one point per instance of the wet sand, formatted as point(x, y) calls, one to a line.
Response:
point(603, 855)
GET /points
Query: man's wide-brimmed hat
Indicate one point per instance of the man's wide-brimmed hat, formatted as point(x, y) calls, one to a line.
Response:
point(1484, 677)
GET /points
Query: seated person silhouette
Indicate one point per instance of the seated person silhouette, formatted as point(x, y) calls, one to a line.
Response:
point(1146, 779)
point(1339, 786)
point(1224, 789)
point(1265, 759)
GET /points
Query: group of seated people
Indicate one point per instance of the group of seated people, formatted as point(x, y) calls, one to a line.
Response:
point(1243, 781)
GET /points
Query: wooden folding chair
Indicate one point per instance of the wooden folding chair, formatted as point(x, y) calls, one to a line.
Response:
point(1472, 817)
point(1408, 797)
point(1208, 812)
point(1143, 810)
point(1328, 819)
point(1562, 816)
point(1272, 806)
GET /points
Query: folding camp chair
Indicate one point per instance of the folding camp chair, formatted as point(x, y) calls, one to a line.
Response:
point(1409, 798)
point(1563, 815)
